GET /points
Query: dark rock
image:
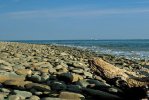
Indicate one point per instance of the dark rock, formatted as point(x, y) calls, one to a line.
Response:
point(97, 83)
point(135, 93)
point(1, 86)
point(66, 77)
point(100, 95)
point(74, 88)
point(57, 86)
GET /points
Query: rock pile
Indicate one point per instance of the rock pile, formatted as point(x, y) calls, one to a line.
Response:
point(47, 72)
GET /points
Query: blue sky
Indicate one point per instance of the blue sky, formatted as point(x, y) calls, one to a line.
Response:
point(74, 19)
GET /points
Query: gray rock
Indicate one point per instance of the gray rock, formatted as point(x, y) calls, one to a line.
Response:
point(17, 55)
point(16, 67)
point(64, 64)
point(88, 74)
point(79, 64)
point(5, 90)
point(44, 77)
point(5, 63)
point(6, 68)
point(39, 87)
point(58, 67)
point(63, 54)
point(71, 95)
point(78, 71)
point(50, 98)
point(38, 93)
point(113, 90)
point(24, 94)
point(34, 98)
point(14, 97)
point(83, 83)
point(52, 70)
point(36, 72)
point(34, 78)
point(3, 95)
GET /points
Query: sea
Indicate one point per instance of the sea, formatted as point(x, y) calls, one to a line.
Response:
point(131, 49)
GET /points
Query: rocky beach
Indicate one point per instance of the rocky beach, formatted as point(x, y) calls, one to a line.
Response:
point(50, 72)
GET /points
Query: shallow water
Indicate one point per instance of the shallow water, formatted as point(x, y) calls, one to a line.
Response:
point(133, 49)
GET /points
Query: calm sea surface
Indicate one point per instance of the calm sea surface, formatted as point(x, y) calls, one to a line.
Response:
point(134, 49)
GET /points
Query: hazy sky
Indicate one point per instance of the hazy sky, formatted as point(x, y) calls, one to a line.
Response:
point(74, 19)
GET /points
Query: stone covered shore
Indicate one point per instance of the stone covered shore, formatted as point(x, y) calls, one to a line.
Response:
point(49, 72)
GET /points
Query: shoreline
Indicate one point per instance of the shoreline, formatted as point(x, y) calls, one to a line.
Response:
point(128, 54)
point(51, 71)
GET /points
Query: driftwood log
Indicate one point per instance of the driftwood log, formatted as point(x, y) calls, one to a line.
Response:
point(121, 77)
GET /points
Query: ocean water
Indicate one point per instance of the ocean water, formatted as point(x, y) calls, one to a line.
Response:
point(132, 49)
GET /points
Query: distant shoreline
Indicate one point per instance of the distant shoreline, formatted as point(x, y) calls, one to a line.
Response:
point(131, 49)
point(107, 50)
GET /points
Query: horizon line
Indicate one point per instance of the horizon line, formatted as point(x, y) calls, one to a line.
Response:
point(68, 39)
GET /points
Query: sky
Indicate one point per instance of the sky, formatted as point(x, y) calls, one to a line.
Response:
point(74, 19)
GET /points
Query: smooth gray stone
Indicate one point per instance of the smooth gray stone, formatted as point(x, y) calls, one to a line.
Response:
point(83, 83)
point(39, 87)
point(14, 97)
point(78, 71)
point(34, 98)
point(50, 98)
point(3, 95)
point(5, 90)
point(34, 78)
point(88, 74)
point(24, 94)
